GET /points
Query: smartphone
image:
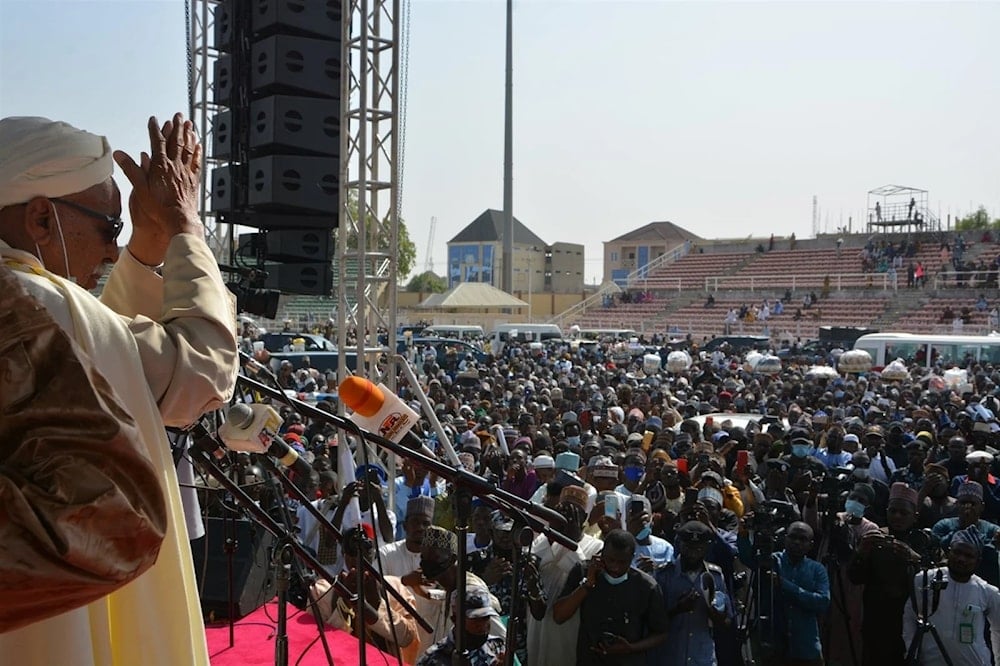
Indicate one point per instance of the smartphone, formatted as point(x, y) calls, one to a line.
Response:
point(682, 465)
point(709, 421)
point(690, 495)
point(611, 506)
point(742, 459)
point(608, 638)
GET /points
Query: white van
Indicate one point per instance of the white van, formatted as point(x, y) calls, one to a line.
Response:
point(523, 333)
point(929, 349)
point(455, 332)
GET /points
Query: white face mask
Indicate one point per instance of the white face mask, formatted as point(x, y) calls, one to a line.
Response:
point(62, 241)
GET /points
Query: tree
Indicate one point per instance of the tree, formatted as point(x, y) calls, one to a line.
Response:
point(406, 251)
point(428, 282)
point(977, 221)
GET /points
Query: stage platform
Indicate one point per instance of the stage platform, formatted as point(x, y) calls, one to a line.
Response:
point(254, 637)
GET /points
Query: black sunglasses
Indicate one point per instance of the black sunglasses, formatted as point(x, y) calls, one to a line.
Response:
point(114, 222)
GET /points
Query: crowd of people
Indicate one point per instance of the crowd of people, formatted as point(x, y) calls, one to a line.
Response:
point(797, 534)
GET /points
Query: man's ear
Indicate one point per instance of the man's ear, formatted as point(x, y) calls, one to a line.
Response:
point(37, 221)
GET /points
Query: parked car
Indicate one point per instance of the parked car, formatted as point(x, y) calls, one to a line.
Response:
point(738, 343)
point(280, 342)
point(442, 346)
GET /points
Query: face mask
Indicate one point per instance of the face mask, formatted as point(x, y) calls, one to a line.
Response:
point(800, 450)
point(573, 440)
point(855, 508)
point(861, 473)
point(633, 473)
point(612, 580)
point(644, 533)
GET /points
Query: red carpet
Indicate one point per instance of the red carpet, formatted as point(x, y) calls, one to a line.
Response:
point(254, 636)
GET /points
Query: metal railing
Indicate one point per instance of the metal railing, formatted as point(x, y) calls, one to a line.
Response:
point(608, 287)
point(670, 257)
point(881, 281)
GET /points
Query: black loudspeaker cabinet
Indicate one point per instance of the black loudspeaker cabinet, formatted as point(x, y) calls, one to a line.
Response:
point(294, 65)
point(253, 579)
point(283, 124)
point(291, 245)
point(312, 18)
point(315, 279)
point(293, 183)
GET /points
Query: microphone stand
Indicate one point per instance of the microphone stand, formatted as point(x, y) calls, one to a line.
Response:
point(270, 524)
point(522, 539)
point(283, 562)
point(535, 516)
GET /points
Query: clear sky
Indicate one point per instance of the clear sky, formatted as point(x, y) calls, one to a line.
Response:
point(725, 118)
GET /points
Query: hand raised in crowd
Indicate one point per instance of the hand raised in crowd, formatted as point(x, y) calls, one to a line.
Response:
point(686, 603)
point(645, 563)
point(594, 569)
point(165, 185)
point(612, 644)
point(496, 570)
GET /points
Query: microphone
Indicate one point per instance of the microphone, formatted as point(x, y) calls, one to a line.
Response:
point(379, 410)
point(254, 429)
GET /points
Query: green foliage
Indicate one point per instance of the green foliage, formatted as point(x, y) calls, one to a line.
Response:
point(406, 256)
point(978, 221)
point(428, 282)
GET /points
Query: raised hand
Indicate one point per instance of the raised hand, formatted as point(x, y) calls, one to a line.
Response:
point(165, 185)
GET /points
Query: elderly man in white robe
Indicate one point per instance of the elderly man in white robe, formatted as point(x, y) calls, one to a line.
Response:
point(548, 641)
point(162, 334)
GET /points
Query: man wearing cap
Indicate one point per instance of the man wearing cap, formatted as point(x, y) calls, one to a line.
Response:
point(549, 642)
point(390, 629)
point(621, 609)
point(882, 465)
point(970, 511)
point(164, 341)
point(964, 606)
point(694, 594)
point(651, 551)
point(482, 648)
point(801, 596)
point(439, 564)
point(413, 482)
point(954, 461)
point(913, 474)
point(801, 461)
point(885, 563)
point(934, 502)
point(979, 464)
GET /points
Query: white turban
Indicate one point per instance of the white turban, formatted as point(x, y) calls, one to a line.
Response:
point(43, 158)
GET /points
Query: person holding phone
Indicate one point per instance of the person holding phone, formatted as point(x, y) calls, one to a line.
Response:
point(621, 609)
point(651, 551)
point(694, 594)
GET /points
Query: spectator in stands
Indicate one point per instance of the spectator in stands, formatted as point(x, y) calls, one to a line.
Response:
point(840, 243)
point(981, 304)
point(910, 279)
point(779, 308)
point(995, 317)
point(948, 315)
point(710, 301)
point(919, 274)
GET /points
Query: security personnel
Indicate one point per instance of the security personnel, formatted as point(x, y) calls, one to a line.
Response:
point(694, 593)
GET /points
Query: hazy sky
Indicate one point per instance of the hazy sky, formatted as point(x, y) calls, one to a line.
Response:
point(725, 118)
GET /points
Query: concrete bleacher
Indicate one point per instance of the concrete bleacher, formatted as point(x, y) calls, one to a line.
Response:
point(648, 316)
point(928, 317)
point(689, 272)
point(700, 322)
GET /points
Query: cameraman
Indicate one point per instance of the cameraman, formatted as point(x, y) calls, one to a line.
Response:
point(801, 596)
point(885, 563)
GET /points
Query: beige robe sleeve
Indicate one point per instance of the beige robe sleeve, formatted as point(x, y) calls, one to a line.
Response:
point(184, 324)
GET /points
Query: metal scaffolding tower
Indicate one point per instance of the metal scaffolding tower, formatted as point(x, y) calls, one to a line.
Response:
point(201, 55)
point(366, 276)
point(369, 227)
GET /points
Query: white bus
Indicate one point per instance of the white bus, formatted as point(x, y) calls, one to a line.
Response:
point(929, 349)
point(523, 333)
point(455, 332)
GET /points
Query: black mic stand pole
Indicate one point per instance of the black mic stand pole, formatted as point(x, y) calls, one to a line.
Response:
point(283, 562)
point(325, 523)
point(463, 511)
point(537, 517)
point(522, 538)
point(270, 524)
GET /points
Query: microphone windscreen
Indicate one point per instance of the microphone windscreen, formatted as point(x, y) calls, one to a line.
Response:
point(361, 395)
point(240, 415)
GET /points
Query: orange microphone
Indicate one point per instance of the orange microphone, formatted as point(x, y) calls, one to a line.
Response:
point(377, 409)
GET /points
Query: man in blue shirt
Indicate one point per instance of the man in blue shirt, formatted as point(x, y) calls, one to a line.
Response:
point(694, 593)
point(970, 510)
point(801, 597)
